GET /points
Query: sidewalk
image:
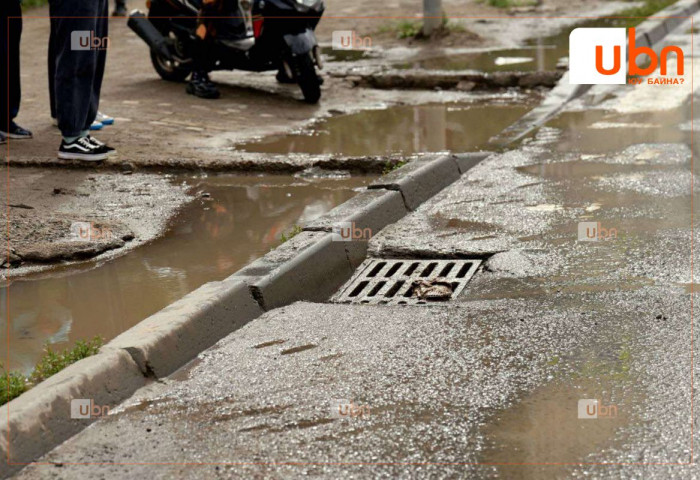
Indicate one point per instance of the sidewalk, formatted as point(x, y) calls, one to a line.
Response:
point(457, 390)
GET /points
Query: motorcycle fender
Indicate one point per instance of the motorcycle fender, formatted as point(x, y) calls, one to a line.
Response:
point(301, 43)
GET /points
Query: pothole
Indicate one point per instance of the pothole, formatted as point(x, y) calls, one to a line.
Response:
point(407, 281)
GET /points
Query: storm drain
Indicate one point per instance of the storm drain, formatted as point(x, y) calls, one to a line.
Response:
point(407, 282)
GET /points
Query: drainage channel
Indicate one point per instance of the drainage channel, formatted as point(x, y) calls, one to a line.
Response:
point(240, 219)
point(407, 281)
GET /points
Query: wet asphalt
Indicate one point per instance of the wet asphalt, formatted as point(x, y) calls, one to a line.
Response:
point(487, 386)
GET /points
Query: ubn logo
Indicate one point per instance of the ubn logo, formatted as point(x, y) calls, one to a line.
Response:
point(89, 232)
point(87, 40)
point(345, 409)
point(348, 231)
point(594, 231)
point(86, 408)
point(349, 40)
point(589, 408)
point(599, 56)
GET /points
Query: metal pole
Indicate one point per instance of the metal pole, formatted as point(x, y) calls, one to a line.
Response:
point(432, 16)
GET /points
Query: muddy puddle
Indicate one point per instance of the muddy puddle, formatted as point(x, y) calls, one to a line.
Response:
point(600, 131)
point(539, 54)
point(235, 220)
point(458, 127)
point(551, 430)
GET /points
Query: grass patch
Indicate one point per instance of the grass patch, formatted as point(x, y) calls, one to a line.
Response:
point(13, 384)
point(27, 4)
point(296, 230)
point(391, 166)
point(509, 3)
point(647, 9)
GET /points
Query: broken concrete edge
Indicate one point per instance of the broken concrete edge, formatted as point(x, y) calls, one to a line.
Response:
point(466, 80)
point(422, 179)
point(647, 34)
point(242, 162)
point(329, 249)
point(311, 266)
point(40, 419)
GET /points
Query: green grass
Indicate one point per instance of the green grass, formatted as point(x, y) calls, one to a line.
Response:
point(26, 4)
point(391, 166)
point(296, 230)
point(650, 7)
point(13, 384)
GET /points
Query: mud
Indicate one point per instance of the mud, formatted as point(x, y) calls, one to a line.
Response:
point(58, 216)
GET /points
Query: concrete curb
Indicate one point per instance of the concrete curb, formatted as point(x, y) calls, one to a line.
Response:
point(167, 340)
point(40, 419)
point(311, 266)
point(421, 179)
point(648, 33)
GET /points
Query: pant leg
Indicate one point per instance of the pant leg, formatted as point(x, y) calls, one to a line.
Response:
point(102, 31)
point(10, 87)
point(78, 67)
point(52, 70)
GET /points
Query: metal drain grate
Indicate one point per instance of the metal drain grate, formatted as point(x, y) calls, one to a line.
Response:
point(397, 282)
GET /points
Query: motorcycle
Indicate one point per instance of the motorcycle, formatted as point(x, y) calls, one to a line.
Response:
point(279, 36)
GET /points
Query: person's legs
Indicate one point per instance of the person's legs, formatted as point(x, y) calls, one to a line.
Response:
point(79, 69)
point(11, 32)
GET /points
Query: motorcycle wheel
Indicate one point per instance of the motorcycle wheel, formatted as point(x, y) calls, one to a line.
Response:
point(308, 80)
point(170, 71)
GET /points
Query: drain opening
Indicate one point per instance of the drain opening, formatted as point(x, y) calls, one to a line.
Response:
point(407, 282)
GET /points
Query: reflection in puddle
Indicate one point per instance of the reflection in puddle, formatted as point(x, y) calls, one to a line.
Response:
point(540, 53)
point(598, 131)
point(404, 129)
point(241, 220)
point(573, 170)
point(545, 428)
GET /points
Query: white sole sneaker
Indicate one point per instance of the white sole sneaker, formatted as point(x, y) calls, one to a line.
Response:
point(86, 157)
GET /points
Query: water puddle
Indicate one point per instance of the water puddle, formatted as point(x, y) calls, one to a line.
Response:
point(538, 54)
point(238, 219)
point(403, 129)
point(561, 424)
point(600, 131)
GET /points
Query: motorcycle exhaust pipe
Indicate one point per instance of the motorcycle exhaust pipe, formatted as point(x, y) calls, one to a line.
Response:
point(142, 26)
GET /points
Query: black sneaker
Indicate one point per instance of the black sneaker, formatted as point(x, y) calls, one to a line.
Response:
point(105, 148)
point(17, 133)
point(200, 86)
point(81, 149)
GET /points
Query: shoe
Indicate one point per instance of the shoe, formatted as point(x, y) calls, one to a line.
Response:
point(104, 119)
point(96, 125)
point(282, 77)
point(105, 148)
point(17, 133)
point(200, 86)
point(119, 11)
point(81, 149)
point(3, 139)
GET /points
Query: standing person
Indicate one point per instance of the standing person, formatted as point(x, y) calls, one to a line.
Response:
point(119, 8)
point(79, 44)
point(217, 20)
point(9, 70)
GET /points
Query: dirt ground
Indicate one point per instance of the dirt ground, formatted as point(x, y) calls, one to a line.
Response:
point(159, 127)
